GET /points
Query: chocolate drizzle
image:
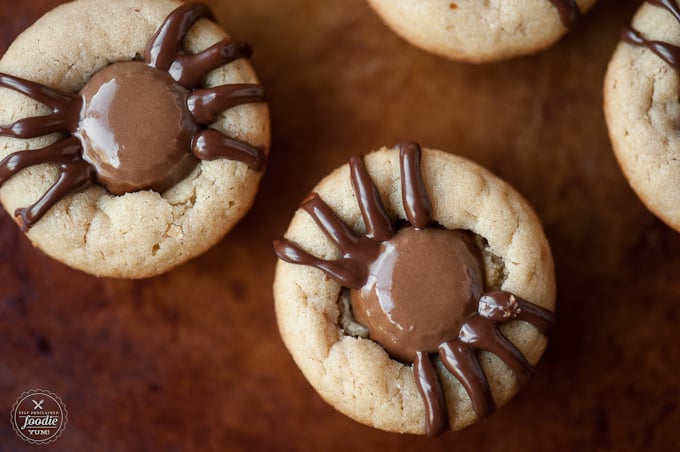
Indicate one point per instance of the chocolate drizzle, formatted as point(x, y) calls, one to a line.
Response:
point(378, 222)
point(65, 108)
point(460, 326)
point(666, 51)
point(73, 174)
point(83, 161)
point(206, 105)
point(568, 10)
point(430, 389)
point(166, 43)
point(165, 51)
point(415, 199)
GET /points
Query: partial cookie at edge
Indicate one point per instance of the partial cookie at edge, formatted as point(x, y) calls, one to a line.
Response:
point(642, 112)
point(474, 31)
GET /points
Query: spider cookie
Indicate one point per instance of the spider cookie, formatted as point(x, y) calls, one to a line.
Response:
point(480, 31)
point(414, 290)
point(133, 134)
point(642, 110)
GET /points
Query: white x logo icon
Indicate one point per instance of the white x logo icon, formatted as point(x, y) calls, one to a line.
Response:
point(37, 405)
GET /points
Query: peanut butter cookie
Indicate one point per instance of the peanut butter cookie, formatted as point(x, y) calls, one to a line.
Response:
point(133, 134)
point(414, 290)
point(477, 31)
point(642, 110)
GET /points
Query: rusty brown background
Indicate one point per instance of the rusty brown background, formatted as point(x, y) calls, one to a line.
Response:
point(192, 360)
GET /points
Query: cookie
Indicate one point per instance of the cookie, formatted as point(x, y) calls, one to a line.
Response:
point(476, 31)
point(414, 290)
point(133, 134)
point(641, 107)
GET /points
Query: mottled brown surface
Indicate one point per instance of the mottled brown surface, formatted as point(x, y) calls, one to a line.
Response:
point(192, 360)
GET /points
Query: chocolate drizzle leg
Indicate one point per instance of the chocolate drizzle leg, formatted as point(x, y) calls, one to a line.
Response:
point(456, 320)
point(666, 51)
point(65, 109)
point(62, 151)
point(351, 270)
point(189, 70)
point(73, 176)
point(112, 105)
point(430, 389)
point(210, 144)
point(569, 11)
point(166, 44)
point(378, 222)
point(461, 360)
point(483, 335)
point(205, 105)
point(480, 333)
point(415, 198)
point(165, 51)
